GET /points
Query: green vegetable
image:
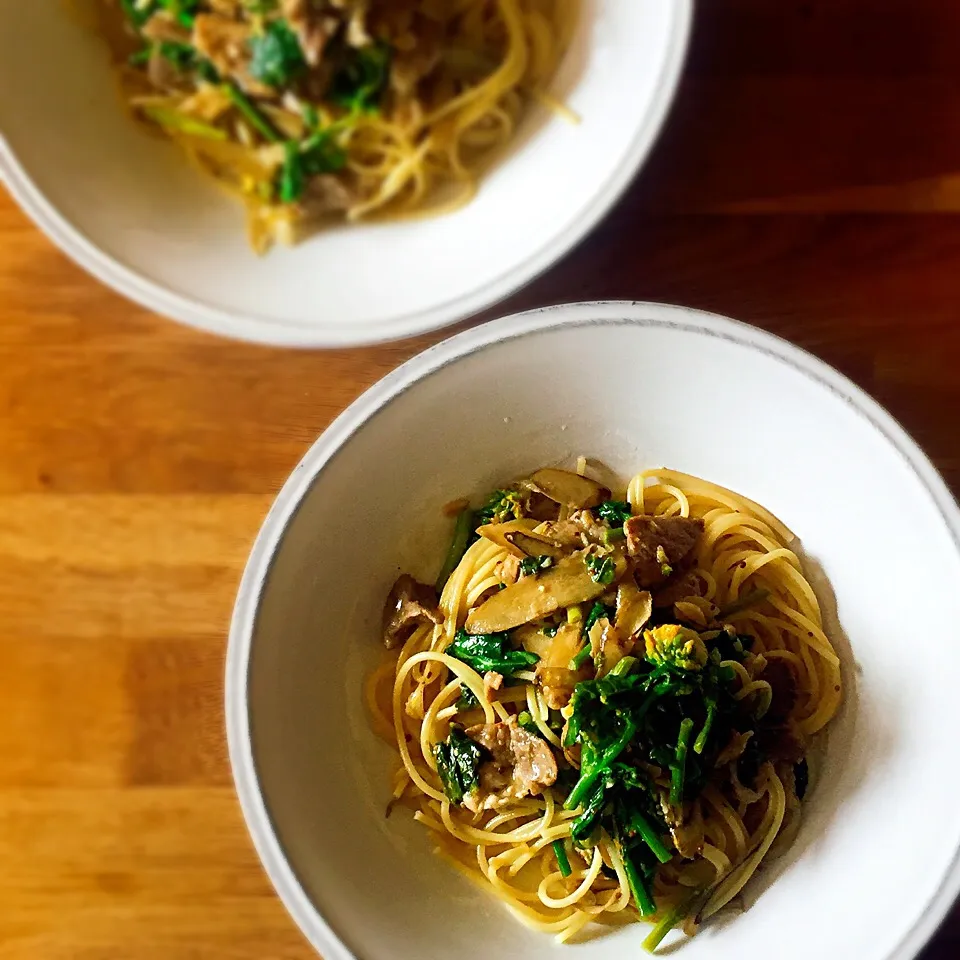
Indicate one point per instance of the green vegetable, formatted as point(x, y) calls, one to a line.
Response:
point(359, 84)
point(638, 887)
point(525, 720)
point(622, 667)
point(645, 711)
point(615, 512)
point(597, 612)
point(291, 174)
point(631, 823)
point(490, 651)
point(276, 58)
point(701, 740)
point(183, 123)
point(563, 863)
point(551, 630)
point(251, 114)
point(467, 699)
point(591, 772)
point(310, 117)
point(501, 506)
point(675, 646)
point(602, 569)
point(584, 825)
point(183, 11)
point(727, 647)
point(533, 565)
point(458, 758)
point(181, 55)
point(580, 658)
point(669, 921)
point(678, 770)
point(458, 546)
point(137, 15)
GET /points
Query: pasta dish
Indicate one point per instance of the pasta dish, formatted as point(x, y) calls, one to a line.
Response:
point(308, 110)
point(603, 708)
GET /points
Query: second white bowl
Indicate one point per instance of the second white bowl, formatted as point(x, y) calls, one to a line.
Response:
point(128, 208)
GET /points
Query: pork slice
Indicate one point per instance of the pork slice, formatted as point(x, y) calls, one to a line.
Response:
point(658, 545)
point(520, 765)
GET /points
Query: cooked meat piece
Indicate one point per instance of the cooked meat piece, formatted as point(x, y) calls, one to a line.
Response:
point(492, 681)
point(659, 545)
point(678, 587)
point(226, 44)
point(579, 531)
point(520, 765)
point(508, 569)
point(593, 532)
point(325, 194)
point(408, 605)
point(783, 682)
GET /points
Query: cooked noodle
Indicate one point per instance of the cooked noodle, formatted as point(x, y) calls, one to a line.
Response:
point(395, 111)
point(751, 580)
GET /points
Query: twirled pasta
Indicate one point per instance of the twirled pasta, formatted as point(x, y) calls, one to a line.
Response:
point(750, 583)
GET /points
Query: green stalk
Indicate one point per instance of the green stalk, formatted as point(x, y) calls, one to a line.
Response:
point(678, 770)
point(581, 658)
point(586, 781)
point(252, 115)
point(458, 546)
point(650, 837)
point(641, 895)
point(669, 921)
point(175, 120)
point(560, 852)
point(701, 740)
point(623, 667)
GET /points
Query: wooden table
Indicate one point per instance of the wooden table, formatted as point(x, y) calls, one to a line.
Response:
point(808, 182)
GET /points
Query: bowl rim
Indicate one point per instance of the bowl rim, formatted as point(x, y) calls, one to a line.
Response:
point(286, 333)
point(594, 313)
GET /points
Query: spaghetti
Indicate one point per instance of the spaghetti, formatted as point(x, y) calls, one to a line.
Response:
point(312, 109)
point(631, 738)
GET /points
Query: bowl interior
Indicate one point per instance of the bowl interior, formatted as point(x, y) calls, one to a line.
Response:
point(136, 199)
point(664, 389)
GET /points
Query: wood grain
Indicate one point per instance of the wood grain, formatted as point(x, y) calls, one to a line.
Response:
point(807, 182)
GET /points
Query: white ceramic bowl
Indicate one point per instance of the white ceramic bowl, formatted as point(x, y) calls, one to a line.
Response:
point(129, 209)
point(875, 865)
